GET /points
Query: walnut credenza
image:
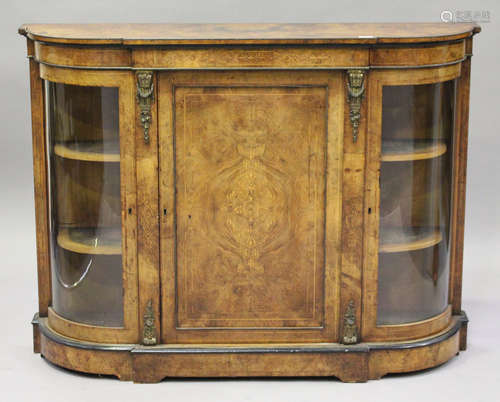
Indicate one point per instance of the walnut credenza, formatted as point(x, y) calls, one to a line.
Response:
point(249, 200)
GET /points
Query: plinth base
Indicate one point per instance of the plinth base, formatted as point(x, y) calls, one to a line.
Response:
point(349, 363)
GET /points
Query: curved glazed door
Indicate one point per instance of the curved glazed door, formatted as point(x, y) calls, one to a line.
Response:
point(410, 154)
point(92, 241)
point(250, 205)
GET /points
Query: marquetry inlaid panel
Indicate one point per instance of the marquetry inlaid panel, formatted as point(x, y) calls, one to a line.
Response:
point(250, 205)
point(250, 185)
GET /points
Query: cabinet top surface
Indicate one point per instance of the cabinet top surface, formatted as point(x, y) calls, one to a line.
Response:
point(321, 33)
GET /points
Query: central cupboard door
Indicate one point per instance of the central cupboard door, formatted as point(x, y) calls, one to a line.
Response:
point(250, 205)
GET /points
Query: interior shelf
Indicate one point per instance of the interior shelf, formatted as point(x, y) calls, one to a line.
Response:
point(89, 151)
point(89, 241)
point(400, 151)
point(395, 240)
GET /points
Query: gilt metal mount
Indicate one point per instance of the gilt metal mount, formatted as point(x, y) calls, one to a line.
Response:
point(350, 335)
point(355, 93)
point(149, 330)
point(145, 98)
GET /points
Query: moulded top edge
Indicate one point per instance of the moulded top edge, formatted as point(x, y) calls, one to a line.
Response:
point(219, 34)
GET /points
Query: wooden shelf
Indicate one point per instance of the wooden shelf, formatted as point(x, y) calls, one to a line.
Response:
point(400, 151)
point(89, 151)
point(86, 241)
point(395, 240)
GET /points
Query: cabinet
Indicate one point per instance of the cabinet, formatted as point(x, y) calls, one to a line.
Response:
point(249, 200)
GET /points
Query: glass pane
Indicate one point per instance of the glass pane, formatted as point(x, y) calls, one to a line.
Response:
point(415, 204)
point(84, 159)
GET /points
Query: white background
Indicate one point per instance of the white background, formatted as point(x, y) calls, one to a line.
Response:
point(472, 376)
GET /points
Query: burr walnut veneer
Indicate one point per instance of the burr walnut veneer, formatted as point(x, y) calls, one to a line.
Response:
point(249, 200)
